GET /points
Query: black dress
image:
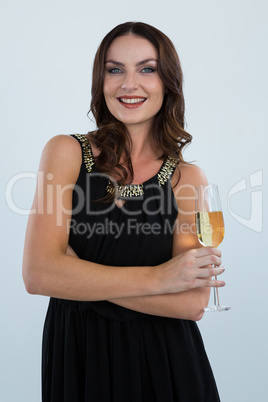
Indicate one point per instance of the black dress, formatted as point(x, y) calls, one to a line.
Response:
point(101, 352)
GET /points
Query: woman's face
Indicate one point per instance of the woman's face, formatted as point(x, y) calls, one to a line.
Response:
point(132, 87)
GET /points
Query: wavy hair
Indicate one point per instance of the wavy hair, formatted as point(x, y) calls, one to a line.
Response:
point(168, 133)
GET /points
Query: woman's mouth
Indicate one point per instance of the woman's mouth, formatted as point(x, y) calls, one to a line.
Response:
point(131, 102)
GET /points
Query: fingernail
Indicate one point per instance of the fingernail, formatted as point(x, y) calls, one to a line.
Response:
point(223, 283)
point(223, 269)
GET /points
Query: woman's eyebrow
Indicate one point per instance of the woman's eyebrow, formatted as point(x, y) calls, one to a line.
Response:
point(138, 64)
point(114, 62)
point(146, 61)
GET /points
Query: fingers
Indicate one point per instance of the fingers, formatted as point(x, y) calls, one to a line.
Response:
point(210, 283)
point(205, 251)
point(207, 256)
point(195, 268)
point(208, 272)
point(209, 260)
point(207, 277)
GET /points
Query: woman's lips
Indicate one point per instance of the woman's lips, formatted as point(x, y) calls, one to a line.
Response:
point(131, 102)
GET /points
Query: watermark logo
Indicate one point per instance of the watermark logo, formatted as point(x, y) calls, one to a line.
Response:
point(255, 221)
point(52, 201)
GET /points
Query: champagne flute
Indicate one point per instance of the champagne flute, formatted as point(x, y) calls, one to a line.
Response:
point(209, 226)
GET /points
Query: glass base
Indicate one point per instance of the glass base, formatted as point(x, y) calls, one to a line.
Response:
point(215, 309)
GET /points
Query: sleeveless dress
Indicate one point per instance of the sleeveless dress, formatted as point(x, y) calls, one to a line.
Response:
point(99, 351)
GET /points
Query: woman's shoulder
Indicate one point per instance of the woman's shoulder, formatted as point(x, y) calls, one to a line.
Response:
point(63, 143)
point(189, 174)
point(61, 153)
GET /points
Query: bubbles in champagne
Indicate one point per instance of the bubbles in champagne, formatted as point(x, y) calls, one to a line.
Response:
point(210, 228)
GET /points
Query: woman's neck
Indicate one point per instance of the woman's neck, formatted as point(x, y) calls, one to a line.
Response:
point(142, 145)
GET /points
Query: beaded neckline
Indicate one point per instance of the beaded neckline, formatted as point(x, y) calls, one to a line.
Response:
point(129, 190)
point(135, 190)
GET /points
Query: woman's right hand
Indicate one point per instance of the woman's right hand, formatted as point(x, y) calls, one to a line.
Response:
point(192, 269)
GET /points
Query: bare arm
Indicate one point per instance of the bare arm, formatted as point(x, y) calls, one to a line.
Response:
point(188, 304)
point(48, 270)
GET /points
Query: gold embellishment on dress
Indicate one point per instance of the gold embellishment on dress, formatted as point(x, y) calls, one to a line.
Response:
point(167, 169)
point(131, 190)
point(87, 151)
point(135, 190)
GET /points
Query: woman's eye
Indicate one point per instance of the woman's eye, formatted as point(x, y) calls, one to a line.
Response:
point(148, 70)
point(114, 70)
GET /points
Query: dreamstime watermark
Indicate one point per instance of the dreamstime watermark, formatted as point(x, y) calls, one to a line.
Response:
point(49, 199)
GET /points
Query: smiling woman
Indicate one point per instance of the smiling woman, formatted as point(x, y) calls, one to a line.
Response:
point(114, 246)
point(144, 60)
point(133, 90)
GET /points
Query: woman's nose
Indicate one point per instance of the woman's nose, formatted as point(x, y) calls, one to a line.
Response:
point(129, 83)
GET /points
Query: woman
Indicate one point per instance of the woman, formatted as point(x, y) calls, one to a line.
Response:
point(112, 238)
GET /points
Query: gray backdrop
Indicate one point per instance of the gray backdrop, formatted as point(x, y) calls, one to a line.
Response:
point(47, 51)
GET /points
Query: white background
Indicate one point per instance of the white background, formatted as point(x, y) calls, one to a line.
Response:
point(47, 52)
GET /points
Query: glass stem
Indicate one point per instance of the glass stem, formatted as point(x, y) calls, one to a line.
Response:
point(216, 295)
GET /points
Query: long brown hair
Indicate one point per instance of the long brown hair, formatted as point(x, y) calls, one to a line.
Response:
point(112, 137)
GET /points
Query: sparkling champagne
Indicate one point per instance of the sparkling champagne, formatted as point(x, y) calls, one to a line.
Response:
point(210, 228)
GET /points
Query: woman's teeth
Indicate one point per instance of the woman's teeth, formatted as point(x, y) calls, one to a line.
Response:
point(133, 100)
